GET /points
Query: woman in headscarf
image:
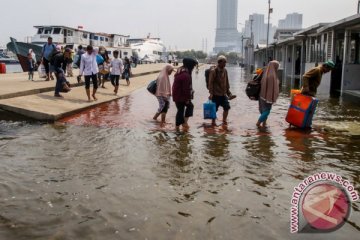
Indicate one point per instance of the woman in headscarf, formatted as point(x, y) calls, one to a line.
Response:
point(183, 93)
point(269, 92)
point(163, 92)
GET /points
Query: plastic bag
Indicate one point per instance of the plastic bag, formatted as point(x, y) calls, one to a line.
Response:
point(42, 71)
point(209, 110)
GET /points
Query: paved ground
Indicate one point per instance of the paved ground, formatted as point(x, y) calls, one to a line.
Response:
point(16, 84)
point(36, 99)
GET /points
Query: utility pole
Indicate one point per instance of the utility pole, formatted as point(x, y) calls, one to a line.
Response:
point(268, 30)
point(242, 48)
point(251, 55)
point(358, 10)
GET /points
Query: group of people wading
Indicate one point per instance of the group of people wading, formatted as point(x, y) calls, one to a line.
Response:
point(182, 91)
point(219, 89)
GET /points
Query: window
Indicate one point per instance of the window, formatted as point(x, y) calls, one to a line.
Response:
point(125, 53)
point(355, 49)
point(106, 39)
point(102, 39)
point(47, 31)
point(70, 33)
point(57, 30)
point(96, 37)
point(85, 35)
point(40, 31)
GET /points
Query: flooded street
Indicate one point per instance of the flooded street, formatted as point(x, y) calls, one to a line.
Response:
point(114, 173)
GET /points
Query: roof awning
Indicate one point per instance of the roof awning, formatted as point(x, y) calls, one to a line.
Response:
point(348, 22)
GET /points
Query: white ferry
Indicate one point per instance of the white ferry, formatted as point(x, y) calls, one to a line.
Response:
point(148, 49)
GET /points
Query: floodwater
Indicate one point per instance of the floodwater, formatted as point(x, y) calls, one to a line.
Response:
point(13, 68)
point(113, 173)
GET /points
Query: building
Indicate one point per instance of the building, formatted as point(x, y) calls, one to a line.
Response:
point(291, 21)
point(227, 36)
point(338, 41)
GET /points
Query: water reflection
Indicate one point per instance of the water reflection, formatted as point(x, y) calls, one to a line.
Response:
point(111, 172)
point(261, 147)
point(300, 144)
point(217, 146)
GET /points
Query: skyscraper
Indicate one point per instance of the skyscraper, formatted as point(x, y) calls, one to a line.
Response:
point(227, 36)
point(291, 21)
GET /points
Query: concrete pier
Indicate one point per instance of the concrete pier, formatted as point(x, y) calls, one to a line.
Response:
point(35, 99)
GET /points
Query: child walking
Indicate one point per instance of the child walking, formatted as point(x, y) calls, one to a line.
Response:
point(31, 64)
point(127, 71)
point(116, 70)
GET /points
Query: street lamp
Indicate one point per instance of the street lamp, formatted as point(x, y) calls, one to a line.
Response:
point(268, 30)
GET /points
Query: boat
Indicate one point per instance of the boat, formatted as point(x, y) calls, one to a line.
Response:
point(6, 58)
point(148, 50)
point(68, 37)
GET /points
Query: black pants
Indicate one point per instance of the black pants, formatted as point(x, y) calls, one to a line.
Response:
point(183, 108)
point(94, 80)
point(46, 65)
point(115, 80)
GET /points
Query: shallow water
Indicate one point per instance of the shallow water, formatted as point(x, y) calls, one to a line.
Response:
point(113, 173)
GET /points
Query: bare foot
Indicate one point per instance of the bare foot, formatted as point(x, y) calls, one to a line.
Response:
point(89, 100)
point(186, 127)
point(95, 99)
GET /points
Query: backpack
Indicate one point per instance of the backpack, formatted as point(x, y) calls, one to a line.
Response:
point(77, 60)
point(253, 87)
point(207, 75)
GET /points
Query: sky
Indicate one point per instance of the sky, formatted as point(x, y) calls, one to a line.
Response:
point(181, 24)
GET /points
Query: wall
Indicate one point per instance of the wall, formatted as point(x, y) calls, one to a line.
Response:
point(324, 88)
point(351, 78)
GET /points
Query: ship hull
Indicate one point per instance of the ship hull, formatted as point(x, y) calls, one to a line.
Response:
point(21, 50)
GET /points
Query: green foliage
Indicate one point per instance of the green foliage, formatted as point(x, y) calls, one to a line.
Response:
point(192, 54)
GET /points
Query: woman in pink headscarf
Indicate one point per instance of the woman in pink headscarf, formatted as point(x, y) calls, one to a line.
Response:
point(163, 92)
point(269, 92)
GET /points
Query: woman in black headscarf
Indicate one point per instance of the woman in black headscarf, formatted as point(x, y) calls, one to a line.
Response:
point(183, 93)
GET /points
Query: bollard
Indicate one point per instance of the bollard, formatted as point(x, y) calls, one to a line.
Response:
point(2, 68)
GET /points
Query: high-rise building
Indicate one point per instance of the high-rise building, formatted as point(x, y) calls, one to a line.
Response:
point(291, 21)
point(227, 36)
point(259, 28)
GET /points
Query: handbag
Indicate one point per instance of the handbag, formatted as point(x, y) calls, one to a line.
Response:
point(152, 87)
point(209, 110)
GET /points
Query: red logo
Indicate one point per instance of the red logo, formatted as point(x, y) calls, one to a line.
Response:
point(325, 207)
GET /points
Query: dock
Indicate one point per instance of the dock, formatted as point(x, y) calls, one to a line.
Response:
point(35, 99)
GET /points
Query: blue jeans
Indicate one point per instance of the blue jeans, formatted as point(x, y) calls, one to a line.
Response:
point(264, 108)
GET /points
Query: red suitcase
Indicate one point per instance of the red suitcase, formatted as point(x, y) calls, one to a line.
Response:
point(301, 111)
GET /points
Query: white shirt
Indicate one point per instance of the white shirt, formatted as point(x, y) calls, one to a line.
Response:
point(116, 66)
point(88, 65)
